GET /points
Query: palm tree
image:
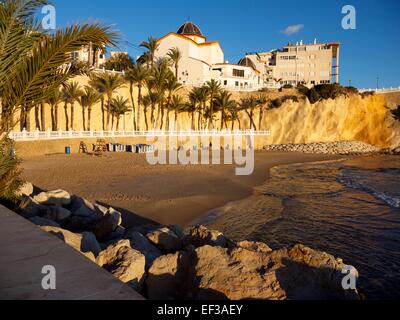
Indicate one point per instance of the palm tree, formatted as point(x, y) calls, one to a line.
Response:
point(107, 84)
point(261, 101)
point(53, 100)
point(32, 66)
point(65, 98)
point(74, 93)
point(214, 88)
point(223, 101)
point(119, 106)
point(234, 116)
point(175, 55)
point(249, 104)
point(178, 106)
point(28, 58)
point(152, 46)
point(88, 100)
point(146, 103)
point(172, 85)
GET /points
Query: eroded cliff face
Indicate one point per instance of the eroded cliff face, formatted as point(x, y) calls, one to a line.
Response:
point(352, 118)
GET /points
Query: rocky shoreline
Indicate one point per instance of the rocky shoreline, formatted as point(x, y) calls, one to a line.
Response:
point(335, 148)
point(165, 262)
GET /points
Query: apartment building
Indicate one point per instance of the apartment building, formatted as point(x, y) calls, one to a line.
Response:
point(91, 55)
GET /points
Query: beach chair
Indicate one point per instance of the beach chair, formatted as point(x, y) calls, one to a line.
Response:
point(100, 147)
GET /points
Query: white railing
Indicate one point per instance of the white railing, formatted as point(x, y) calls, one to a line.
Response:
point(59, 135)
point(381, 90)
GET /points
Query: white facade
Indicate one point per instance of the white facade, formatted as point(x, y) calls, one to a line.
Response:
point(203, 60)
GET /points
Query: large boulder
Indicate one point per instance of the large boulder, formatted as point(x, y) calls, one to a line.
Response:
point(82, 243)
point(165, 239)
point(26, 190)
point(140, 243)
point(295, 274)
point(89, 243)
point(55, 197)
point(254, 246)
point(107, 224)
point(168, 276)
point(125, 263)
point(84, 208)
point(30, 208)
point(55, 213)
point(43, 222)
point(201, 236)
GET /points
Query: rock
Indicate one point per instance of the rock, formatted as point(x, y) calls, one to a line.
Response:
point(79, 224)
point(125, 263)
point(74, 240)
point(254, 246)
point(89, 243)
point(140, 243)
point(30, 208)
point(107, 224)
point(165, 239)
point(300, 273)
point(143, 229)
point(178, 230)
point(168, 275)
point(101, 210)
point(200, 236)
point(84, 208)
point(25, 190)
point(56, 197)
point(58, 214)
point(39, 221)
point(117, 234)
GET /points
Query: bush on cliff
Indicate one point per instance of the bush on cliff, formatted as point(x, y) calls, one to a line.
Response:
point(396, 113)
point(277, 103)
point(326, 91)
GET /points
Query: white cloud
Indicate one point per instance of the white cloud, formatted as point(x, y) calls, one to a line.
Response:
point(293, 29)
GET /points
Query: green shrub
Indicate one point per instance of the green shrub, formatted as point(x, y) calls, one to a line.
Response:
point(367, 94)
point(287, 86)
point(277, 103)
point(10, 181)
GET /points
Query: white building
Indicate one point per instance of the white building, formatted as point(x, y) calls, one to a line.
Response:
point(203, 60)
point(91, 55)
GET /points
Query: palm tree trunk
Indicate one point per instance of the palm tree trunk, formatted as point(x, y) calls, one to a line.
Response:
point(72, 115)
point(43, 117)
point(138, 111)
point(89, 118)
point(133, 107)
point(83, 119)
point(102, 114)
point(222, 118)
point(108, 111)
point(193, 121)
point(66, 117)
point(37, 122)
point(56, 117)
point(118, 122)
point(162, 116)
point(53, 123)
point(112, 122)
point(176, 121)
point(152, 119)
point(260, 118)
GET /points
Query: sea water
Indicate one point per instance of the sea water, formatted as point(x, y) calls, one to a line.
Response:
point(348, 208)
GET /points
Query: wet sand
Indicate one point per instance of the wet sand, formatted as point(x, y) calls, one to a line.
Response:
point(168, 194)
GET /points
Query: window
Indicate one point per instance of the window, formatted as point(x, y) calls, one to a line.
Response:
point(237, 84)
point(238, 73)
point(225, 82)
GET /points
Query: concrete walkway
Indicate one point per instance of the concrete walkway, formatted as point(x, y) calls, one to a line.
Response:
point(25, 249)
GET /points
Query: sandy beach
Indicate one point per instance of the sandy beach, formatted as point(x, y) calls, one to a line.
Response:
point(163, 193)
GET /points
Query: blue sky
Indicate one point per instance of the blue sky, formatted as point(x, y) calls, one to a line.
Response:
point(372, 50)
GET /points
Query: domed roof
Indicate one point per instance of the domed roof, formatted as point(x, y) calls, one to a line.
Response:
point(189, 28)
point(246, 62)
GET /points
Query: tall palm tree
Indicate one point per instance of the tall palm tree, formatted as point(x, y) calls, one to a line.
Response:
point(74, 92)
point(65, 98)
point(89, 98)
point(178, 106)
point(53, 100)
point(152, 46)
point(146, 104)
point(223, 101)
point(249, 104)
point(29, 58)
point(119, 107)
point(172, 85)
point(175, 55)
point(214, 88)
point(261, 101)
point(107, 84)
